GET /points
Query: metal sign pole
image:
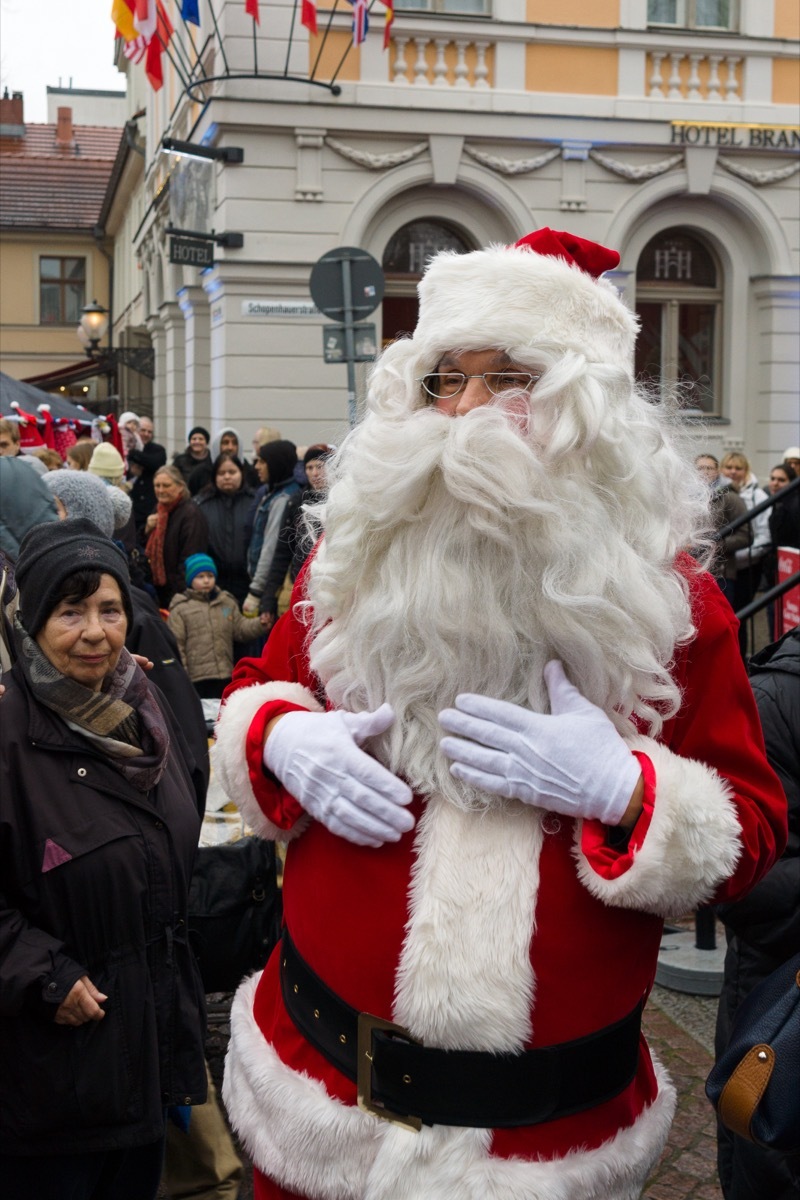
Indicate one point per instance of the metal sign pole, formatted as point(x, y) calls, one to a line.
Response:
point(349, 343)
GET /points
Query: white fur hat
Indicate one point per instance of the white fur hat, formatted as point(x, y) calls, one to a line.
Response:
point(545, 291)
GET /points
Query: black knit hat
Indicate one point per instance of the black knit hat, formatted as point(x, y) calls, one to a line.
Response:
point(198, 429)
point(280, 458)
point(318, 451)
point(50, 553)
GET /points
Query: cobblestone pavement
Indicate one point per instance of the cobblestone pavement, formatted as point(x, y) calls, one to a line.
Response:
point(687, 1170)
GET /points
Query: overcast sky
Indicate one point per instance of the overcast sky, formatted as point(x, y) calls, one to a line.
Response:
point(46, 41)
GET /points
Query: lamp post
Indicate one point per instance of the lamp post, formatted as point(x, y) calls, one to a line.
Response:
point(93, 328)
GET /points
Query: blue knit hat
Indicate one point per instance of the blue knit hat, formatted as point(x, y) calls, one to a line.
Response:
point(197, 563)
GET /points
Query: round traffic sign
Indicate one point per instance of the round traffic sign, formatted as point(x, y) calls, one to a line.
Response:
point(347, 268)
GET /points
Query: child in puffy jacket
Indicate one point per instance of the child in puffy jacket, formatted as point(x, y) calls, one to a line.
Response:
point(206, 622)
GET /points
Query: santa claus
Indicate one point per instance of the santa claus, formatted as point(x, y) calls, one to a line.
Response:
point(505, 731)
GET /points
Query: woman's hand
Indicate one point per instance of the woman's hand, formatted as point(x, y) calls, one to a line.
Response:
point(150, 523)
point(81, 1004)
point(143, 661)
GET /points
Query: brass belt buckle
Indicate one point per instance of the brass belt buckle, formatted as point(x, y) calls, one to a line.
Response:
point(367, 1023)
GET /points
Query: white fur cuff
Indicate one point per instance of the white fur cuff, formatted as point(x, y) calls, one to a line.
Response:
point(692, 845)
point(229, 758)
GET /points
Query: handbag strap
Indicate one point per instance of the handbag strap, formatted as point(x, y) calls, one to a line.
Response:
point(742, 1093)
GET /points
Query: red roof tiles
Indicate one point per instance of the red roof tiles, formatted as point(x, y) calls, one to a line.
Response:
point(46, 185)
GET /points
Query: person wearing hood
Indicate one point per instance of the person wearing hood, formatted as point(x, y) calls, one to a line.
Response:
point(227, 441)
point(25, 501)
point(225, 502)
point(294, 542)
point(278, 459)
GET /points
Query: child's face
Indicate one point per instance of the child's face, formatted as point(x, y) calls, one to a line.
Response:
point(204, 582)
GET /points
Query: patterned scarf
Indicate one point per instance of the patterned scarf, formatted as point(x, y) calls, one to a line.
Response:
point(123, 721)
point(155, 543)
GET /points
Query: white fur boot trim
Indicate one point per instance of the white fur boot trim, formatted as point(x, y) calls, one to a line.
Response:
point(692, 845)
point(228, 757)
point(465, 979)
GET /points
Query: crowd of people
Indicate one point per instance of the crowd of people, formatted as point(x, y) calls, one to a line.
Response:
point(245, 519)
point(746, 559)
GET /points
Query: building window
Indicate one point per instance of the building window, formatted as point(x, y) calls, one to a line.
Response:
point(472, 8)
point(692, 14)
point(62, 290)
point(404, 261)
point(679, 303)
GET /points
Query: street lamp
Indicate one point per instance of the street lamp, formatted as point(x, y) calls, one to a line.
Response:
point(93, 326)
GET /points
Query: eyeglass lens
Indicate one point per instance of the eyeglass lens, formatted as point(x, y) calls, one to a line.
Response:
point(450, 383)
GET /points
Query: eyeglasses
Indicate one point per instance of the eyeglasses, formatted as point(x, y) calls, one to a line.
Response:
point(444, 385)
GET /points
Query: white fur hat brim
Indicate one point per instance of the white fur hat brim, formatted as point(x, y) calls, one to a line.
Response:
point(517, 300)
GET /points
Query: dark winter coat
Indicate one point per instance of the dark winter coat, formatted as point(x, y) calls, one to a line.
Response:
point(763, 928)
point(187, 464)
point(293, 548)
point(149, 634)
point(227, 540)
point(187, 533)
point(141, 491)
point(94, 877)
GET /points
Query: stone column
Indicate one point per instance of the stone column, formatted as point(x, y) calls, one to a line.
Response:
point(161, 420)
point(175, 373)
point(194, 306)
point(773, 421)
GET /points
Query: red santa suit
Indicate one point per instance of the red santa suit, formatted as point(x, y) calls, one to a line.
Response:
point(499, 930)
point(515, 928)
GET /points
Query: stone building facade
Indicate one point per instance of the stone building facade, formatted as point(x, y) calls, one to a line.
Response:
point(667, 129)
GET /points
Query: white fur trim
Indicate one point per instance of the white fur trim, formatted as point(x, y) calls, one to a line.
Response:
point(228, 757)
point(313, 1144)
point(692, 845)
point(465, 979)
point(518, 300)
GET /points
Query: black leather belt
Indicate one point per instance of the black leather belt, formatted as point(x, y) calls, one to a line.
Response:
point(403, 1081)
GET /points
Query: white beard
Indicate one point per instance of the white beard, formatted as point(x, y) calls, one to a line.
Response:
point(459, 558)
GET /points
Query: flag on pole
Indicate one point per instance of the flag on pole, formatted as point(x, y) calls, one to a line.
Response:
point(387, 28)
point(190, 11)
point(146, 18)
point(360, 21)
point(162, 32)
point(122, 16)
point(251, 7)
point(135, 50)
point(308, 15)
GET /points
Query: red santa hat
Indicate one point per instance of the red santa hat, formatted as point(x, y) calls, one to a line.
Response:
point(545, 291)
point(46, 417)
point(29, 436)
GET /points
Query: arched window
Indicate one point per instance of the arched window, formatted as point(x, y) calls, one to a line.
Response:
point(679, 302)
point(404, 261)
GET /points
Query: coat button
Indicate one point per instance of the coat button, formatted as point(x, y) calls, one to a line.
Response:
point(82, 772)
point(52, 987)
point(159, 824)
point(187, 1099)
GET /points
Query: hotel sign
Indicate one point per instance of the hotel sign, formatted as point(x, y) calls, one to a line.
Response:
point(730, 133)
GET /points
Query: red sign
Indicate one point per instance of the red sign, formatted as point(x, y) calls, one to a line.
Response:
point(789, 603)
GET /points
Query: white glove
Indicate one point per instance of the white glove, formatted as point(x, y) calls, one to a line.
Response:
point(251, 605)
point(317, 757)
point(571, 761)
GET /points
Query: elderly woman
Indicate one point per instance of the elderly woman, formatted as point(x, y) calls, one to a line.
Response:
point(175, 530)
point(100, 997)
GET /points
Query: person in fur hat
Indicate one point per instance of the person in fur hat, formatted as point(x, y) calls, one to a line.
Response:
point(505, 731)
